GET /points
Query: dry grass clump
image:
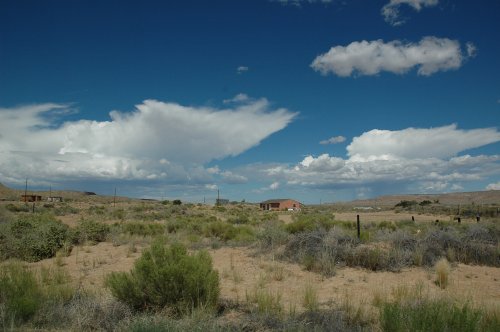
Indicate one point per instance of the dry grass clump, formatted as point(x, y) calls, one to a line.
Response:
point(412, 310)
point(443, 269)
point(265, 301)
point(310, 301)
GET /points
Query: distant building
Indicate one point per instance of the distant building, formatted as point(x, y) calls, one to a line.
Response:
point(280, 205)
point(54, 199)
point(31, 198)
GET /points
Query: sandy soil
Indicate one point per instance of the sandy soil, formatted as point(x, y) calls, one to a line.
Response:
point(388, 216)
point(378, 217)
point(243, 273)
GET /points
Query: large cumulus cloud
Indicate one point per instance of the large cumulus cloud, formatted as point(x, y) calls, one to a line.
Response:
point(425, 158)
point(156, 140)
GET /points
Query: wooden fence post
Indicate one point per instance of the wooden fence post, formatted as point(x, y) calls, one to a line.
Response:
point(359, 228)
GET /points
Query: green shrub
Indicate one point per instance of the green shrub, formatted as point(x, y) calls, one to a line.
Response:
point(387, 225)
point(118, 214)
point(17, 208)
point(141, 228)
point(65, 209)
point(20, 294)
point(98, 210)
point(309, 224)
point(272, 235)
point(406, 204)
point(167, 276)
point(220, 230)
point(32, 237)
point(434, 315)
point(228, 232)
point(239, 219)
point(174, 225)
point(5, 215)
point(90, 230)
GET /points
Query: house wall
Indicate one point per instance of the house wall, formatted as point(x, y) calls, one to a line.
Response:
point(289, 204)
point(283, 205)
point(30, 198)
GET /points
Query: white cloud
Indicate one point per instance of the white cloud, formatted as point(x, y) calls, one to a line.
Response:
point(333, 140)
point(230, 177)
point(274, 185)
point(213, 170)
point(239, 98)
point(423, 158)
point(242, 69)
point(493, 186)
point(211, 186)
point(157, 141)
point(430, 55)
point(391, 11)
point(456, 187)
point(418, 143)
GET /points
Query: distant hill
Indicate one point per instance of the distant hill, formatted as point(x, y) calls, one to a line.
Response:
point(9, 194)
point(465, 198)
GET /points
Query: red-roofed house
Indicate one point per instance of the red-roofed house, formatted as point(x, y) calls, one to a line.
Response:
point(280, 204)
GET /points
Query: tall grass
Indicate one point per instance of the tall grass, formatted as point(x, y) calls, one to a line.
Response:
point(310, 300)
point(412, 310)
point(20, 294)
point(443, 269)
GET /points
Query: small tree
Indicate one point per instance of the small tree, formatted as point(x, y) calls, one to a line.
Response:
point(167, 276)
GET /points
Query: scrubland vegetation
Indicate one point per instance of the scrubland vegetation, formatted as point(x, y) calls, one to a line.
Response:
point(173, 286)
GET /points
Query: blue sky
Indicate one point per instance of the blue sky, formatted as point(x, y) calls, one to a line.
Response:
point(313, 100)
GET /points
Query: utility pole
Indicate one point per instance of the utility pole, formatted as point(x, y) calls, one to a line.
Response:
point(26, 192)
point(218, 197)
point(114, 199)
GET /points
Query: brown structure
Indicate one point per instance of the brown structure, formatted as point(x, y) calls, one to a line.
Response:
point(280, 204)
point(31, 198)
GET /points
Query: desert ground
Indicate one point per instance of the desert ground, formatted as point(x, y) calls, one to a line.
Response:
point(246, 267)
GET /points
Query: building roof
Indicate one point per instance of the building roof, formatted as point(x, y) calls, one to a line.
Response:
point(278, 200)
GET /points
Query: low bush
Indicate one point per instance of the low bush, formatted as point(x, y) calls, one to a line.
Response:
point(20, 294)
point(17, 207)
point(119, 214)
point(82, 312)
point(141, 228)
point(167, 277)
point(65, 209)
point(5, 215)
point(90, 230)
point(32, 237)
point(228, 232)
point(308, 224)
point(272, 234)
point(435, 315)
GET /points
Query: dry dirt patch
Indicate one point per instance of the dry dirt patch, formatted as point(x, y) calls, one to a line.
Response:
point(358, 286)
point(242, 273)
point(388, 216)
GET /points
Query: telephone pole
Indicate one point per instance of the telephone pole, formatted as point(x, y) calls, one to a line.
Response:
point(26, 192)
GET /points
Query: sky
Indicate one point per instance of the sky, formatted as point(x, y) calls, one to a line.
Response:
point(316, 100)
